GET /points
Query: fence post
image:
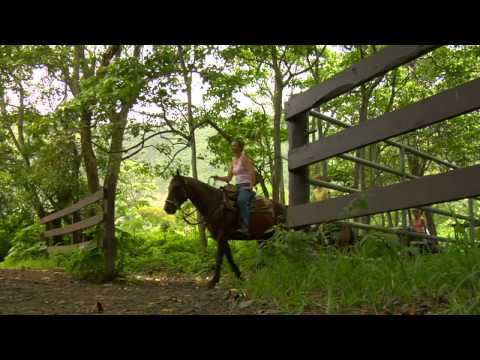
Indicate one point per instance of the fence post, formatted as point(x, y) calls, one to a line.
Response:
point(471, 213)
point(298, 186)
point(402, 169)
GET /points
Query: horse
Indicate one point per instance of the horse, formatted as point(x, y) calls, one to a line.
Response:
point(221, 219)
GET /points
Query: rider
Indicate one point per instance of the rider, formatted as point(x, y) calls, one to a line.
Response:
point(244, 173)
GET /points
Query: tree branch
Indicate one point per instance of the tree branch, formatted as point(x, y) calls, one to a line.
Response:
point(109, 54)
point(219, 130)
point(172, 159)
point(308, 68)
point(137, 151)
point(256, 102)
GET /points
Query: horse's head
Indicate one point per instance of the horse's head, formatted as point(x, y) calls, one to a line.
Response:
point(177, 194)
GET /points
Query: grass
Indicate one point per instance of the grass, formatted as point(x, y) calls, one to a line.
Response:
point(295, 275)
point(41, 263)
point(331, 282)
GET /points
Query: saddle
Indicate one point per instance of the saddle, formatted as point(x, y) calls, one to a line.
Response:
point(257, 205)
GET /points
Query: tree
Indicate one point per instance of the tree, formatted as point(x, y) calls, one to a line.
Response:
point(280, 65)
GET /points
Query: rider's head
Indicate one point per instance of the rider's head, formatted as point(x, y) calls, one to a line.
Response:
point(237, 146)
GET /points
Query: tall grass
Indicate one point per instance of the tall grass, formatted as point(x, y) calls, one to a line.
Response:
point(297, 277)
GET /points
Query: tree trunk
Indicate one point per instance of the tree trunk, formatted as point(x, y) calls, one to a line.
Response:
point(111, 180)
point(187, 77)
point(119, 123)
point(261, 181)
point(321, 134)
point(277, 182)
point(201, 226)
point(77, 160)
point(390, 220)
point(89, 158)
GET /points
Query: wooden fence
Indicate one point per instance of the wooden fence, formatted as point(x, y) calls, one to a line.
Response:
point(413, 191)
point(100, 195)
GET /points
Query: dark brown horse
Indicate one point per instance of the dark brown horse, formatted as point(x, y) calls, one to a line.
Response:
point(222, 221)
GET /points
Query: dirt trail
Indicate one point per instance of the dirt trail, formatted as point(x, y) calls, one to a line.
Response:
point(51, 292)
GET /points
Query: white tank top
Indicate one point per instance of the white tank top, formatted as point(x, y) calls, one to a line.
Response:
point(240, 171)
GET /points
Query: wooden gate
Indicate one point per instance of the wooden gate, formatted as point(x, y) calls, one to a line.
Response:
point(416, 192)
point(80, 225)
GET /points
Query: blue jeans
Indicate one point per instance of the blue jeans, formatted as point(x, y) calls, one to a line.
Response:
point(245, 195)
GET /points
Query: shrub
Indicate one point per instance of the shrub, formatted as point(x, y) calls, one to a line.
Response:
point(28, 243)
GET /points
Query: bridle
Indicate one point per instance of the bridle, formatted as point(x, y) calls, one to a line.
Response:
point(178, 207)
point(175, 202)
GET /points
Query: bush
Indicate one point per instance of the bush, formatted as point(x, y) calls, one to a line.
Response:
point(87, 264)
point(28, 243)
point(9, 226)
point(4, 243)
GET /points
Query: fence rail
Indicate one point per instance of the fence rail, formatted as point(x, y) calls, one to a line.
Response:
point(79, 225)
point(376, 65)
point(418, 192)
point(440, 107)
point(423, 191)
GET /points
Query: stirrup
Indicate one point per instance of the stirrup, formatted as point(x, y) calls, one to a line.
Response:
point(242, 233)
point(243, 230)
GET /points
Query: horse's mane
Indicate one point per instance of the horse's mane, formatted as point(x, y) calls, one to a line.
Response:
point(195, 181)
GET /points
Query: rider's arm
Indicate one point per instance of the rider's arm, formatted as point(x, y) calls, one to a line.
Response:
point(230, 174)
point(227, 178)
point(251, 170)
point(424, 223)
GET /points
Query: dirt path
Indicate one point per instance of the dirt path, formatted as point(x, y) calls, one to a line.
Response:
point(52, 292)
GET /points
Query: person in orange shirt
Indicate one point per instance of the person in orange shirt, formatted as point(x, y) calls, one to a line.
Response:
point(320, 193)
point(418, 223)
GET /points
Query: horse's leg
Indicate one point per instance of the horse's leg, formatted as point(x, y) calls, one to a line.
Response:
point(233, 266)
point(220, 252)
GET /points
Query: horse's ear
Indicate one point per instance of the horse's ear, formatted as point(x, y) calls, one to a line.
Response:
point(178, 172)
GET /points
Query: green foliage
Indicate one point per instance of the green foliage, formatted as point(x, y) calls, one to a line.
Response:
point(376, 277)
point(86, 264)
point(40, 154)
point(28, 243)
point(160, 250)
point(8, 227)
point(4, 243)
point(52, 262)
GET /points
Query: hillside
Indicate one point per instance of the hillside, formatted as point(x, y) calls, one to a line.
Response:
point(205, 170)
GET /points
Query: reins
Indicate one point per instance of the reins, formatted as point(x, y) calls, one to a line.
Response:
point(204, 221)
